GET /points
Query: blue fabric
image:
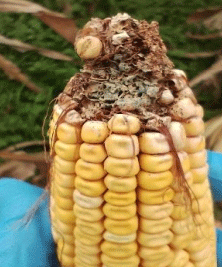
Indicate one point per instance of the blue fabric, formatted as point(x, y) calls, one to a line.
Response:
point(30, 246)
point(33, 246)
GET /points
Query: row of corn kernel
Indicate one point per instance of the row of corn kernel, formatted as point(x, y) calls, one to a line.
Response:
point(182, 226)
point(201, 247)
point(66, 148)
point(121, 222)
point(88, 195)
point(155, 195)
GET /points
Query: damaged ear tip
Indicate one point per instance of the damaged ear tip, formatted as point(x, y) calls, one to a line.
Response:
point(88, 47)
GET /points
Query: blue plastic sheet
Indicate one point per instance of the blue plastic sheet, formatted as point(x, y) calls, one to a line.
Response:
point(33, 245)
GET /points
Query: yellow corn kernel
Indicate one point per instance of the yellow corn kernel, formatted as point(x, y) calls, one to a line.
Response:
point(87, 259)
point(66, 216)
point(153, 143)
point(64, 203)
point(66, 228)
point(200, 174)
point(199, 111)
point(181, 241)
point(184, 226)
point(156, 163)
point(155, 197)
point(65, 192)
point(66, 260)
point(178, 135)
point(194, 126)
point(64, 180)
point(189, 264)
point(155, 212)
point(181, 257)
point(164, 262)
point(90, 228)
point(201, 254)
point(199, 189)
point(90, 171)
point(122, 167)
point(89, 187)
point(86, 239)
point(155, 226)
point(65, 151)
point(204, 263)
point(116, 250)
point(94, 153)
point(200, 205)
point(68, 133)
point(86, 201)
point(155, 240)
point(122, 146)
point(154, 253)
point(180, 212)
point(65, 248)
point(119, 238)
point(132, 261)
point(67, 238)
point(121, 227)
point(198, 159)
point(189, 179)
point(79, 263)
point(197, 245)
point(87, 249)
point(119, 184)
point(91, 215)
point(154, 181)
point(195, 144)
point(94, 132)
point(64, 166)
point(120, 199)
point(119, 212)
point(124, 124)
point(184, 160)
point(205, 217)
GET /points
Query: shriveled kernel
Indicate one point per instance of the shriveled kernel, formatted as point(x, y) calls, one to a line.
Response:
point(122, 167)
point(86, 201)
point(117, 250)
point(153, 253)
point(198, 159)
point(195, 144)
point(94, 153)
point(121, 227)
point(120, 199)
point(67, 151)
point(94, 132)
point(183, 226)
point(155, 212)
point(124, 124)
point(155, 226)
point(92, 188)
point(156, 163)
point(182, 241)
point(119, 184)
point(154, 181)
point(189, 180)
point(183, 109)
point(155, 240)
point(90, 228)
point(194, 126)
point(180, 212)
point(91, 215)
point(122, 146)
point(187, 92)
point(86, 239)
point(89, 171)
point(178, 134)
point(155, 197)
point(132, 261)
point(153, 143)
point(123, 239)
point(64, 166)
point(68, 133)
point(119, 212)
point(181, 257)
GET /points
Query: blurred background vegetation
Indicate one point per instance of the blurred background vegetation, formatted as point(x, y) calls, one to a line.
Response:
point(191, 30)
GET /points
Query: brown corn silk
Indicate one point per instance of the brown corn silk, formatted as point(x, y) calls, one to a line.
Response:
point(129, 177)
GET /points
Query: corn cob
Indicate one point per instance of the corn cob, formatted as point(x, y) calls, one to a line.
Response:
point(129, 182)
